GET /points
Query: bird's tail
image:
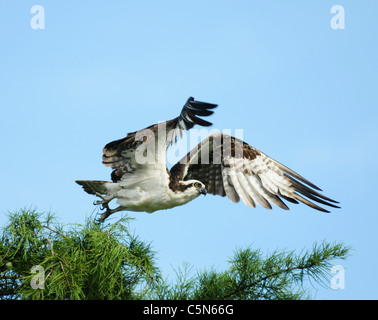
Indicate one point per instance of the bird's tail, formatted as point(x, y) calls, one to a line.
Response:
point(93, 186)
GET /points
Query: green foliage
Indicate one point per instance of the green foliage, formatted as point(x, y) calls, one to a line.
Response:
point(253, 277)
point(98, 261)
point(87, 262)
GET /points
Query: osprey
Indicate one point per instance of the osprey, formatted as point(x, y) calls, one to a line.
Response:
point(220, 165)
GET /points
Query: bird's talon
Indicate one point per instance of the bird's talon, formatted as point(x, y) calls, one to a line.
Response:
point(100, 196)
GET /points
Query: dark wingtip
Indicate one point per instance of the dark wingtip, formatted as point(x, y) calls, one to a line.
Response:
point(193, 109)
point(195, 104)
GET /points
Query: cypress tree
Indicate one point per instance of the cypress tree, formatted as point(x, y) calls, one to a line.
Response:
point(41, 259)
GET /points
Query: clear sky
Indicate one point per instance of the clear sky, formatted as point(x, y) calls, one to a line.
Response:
point(302, 92)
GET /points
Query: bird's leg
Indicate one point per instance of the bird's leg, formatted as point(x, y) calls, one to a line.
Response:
point(109, 211)
point(105, 200)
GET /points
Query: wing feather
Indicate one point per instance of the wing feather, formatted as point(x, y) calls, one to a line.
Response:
point(260, 194)
point(121, 155)
point(247, 188)
point(229, 189)
point(251, 175)
point(241, 187)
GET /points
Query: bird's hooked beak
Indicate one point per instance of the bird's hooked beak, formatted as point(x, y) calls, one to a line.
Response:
point(202, 191)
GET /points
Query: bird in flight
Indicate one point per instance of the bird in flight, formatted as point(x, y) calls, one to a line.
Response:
point(220, 165)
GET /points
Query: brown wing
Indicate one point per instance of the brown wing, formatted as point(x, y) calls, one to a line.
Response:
point(122, 155)
point(229, 166)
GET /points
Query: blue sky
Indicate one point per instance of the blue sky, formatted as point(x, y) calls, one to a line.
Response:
point(302, 92)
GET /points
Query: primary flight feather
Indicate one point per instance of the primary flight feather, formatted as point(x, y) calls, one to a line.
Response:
point(220, 165)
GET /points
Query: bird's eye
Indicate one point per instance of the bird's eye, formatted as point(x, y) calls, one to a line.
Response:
point(197, 185)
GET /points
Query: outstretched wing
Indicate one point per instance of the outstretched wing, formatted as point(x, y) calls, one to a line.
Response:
point(229, 166)
point(148, 146)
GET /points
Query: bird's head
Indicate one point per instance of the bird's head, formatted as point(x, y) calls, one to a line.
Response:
point(194, 187)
